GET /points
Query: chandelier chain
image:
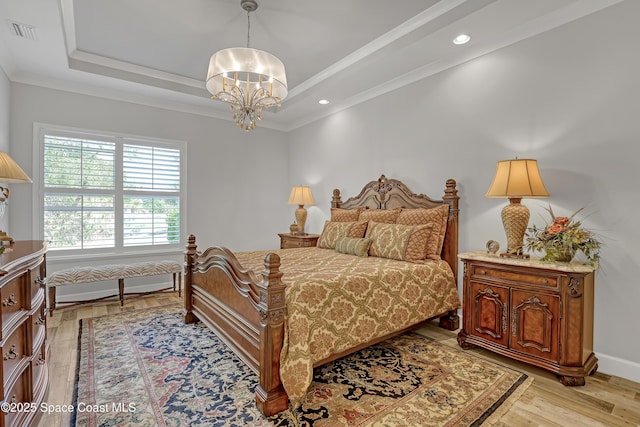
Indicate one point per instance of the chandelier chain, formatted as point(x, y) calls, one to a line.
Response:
point(248, 28)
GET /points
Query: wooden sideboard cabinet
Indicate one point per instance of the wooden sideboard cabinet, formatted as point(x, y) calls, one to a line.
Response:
point(536, 312)
point(23, 343)
point(288, 241)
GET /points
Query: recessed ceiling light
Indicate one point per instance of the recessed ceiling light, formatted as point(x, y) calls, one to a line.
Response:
point(323, 102)
point(462, 39)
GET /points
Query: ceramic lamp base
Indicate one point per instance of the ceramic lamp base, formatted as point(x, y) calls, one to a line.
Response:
point(515, 219)
point(301, 218)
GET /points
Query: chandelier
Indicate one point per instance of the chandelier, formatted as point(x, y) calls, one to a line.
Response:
point(249, 79)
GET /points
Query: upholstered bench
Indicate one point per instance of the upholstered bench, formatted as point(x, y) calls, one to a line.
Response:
point(78, 275)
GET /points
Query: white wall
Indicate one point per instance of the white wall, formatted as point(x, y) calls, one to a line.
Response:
point(569, 98)
point(237, 181)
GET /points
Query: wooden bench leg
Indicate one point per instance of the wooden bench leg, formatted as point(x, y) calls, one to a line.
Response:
point(179, 283)
point(121, 291)
point(52, 300)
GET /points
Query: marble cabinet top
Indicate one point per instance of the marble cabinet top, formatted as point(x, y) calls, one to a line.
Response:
point(570, 267)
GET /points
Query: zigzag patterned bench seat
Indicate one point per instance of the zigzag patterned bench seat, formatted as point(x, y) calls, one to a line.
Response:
point(78, 275)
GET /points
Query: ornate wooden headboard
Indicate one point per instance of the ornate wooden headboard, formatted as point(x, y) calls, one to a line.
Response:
point(388, 193)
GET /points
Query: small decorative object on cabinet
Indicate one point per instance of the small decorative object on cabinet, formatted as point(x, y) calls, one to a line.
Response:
point(288, 241)
point(24, 332)
point(537, 312)
point(493, 247)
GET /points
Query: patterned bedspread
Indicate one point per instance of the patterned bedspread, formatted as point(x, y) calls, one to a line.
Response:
point(336, 301)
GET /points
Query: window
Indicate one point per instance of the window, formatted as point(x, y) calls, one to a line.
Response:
point(109, 193)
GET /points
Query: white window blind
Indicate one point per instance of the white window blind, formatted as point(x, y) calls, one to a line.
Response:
point(110, 192)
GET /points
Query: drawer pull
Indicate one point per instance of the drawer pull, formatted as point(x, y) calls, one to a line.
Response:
point(40, 320)
point(40, 361)
point(544, 281)
point(14, 399)
point(11, 354)
point(483, 272)
point(8, 302)
point(40, 281)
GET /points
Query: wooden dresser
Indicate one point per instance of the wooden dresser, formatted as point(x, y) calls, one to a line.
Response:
point(288, 240)
point(25, 376)
point(536, 312)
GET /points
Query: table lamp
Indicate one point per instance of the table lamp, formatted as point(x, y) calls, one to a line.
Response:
point(301, 195)
point(514, 180)
point(10, 172)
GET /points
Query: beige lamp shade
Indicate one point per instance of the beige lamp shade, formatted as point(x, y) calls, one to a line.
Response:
point(10, 172)
point(516, 179)
point(301, 195)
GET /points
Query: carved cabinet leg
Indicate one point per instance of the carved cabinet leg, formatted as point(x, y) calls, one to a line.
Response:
point(462, 341)
point(571, 381)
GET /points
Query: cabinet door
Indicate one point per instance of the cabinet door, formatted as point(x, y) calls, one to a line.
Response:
point(534, 323)
point(489, 312)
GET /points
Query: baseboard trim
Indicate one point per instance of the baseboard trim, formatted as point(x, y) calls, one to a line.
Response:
point(612, 365)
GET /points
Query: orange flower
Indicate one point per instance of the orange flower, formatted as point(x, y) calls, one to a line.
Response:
point(555, 229)
point(561, 220)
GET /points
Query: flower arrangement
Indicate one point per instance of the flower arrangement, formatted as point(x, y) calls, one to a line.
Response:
point(563, 238)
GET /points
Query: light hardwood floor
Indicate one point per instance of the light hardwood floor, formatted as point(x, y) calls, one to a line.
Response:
point(604, 401)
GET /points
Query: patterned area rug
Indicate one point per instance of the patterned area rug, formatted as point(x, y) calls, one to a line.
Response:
point(147, 368)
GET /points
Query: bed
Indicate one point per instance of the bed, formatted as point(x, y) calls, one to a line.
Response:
point(284, 312)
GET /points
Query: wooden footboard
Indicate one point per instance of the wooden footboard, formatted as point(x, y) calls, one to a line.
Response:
point(245, 311)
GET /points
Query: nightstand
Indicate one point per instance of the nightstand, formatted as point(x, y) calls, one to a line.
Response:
point(536, 312)
point(288, 240)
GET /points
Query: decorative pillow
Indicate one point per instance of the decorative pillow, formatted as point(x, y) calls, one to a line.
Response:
point(358, 230)
point(345, 215)
point(334, 230)
point(417, 245)
point(387, 216)
point(353, 246)
point(437, 217)
point(394, 241)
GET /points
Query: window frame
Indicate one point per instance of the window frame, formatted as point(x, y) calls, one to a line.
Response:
point(120, 139)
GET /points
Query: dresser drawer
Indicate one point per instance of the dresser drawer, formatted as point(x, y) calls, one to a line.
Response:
point(16, 394)
point(289, 241)
point(39, 327)
point(13, 350)
point(39, 368)
point(11, 299)
point(513, 276)
point(36, 281)
point(289, 244)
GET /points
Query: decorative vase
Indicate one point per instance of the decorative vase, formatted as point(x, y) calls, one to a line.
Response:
point(564, 254)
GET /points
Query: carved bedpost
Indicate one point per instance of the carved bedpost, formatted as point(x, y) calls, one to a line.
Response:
point(336, 200)
point(187, 314)
point(450, 247)
point(451, 320)
point(270, 395)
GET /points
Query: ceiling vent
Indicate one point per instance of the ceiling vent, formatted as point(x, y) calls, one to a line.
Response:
point(22, 30)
